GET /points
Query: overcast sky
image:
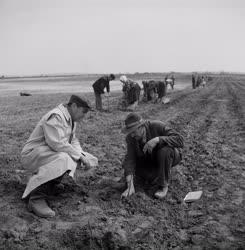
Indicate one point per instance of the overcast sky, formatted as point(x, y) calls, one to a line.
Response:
point(102, 36)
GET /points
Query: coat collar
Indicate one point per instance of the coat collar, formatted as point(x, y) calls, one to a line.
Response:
point(65, 112)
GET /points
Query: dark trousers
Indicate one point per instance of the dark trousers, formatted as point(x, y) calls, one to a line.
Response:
point(161, 91)
point(45, 189)
point(155, 168)
point(193, 85)
point(98, 101)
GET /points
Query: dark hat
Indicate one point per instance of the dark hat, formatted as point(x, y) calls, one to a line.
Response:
point(132, 122)
point(112, 76)
point(80, 102)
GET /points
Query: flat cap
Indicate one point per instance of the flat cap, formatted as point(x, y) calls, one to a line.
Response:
point(80, 102)
point(132, 122)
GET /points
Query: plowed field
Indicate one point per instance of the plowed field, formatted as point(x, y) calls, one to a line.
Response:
point(90, 213)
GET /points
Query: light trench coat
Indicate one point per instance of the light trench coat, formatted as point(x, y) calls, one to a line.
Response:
point(52, 149)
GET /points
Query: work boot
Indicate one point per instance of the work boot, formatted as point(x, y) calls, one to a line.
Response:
point(40, 208)
point(161, 193)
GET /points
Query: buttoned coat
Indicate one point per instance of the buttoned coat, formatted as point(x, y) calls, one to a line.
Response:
point(52, 149)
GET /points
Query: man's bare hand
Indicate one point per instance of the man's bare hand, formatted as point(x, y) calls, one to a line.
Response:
point(150, 145)
point(89, 160)
point(85, 162)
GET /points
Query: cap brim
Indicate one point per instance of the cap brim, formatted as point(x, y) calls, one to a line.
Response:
point(130, 130)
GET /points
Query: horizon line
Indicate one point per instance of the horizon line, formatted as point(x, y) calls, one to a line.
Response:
point(3, 76)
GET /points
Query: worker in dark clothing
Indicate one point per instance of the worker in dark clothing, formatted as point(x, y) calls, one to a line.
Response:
point(152, 149)
point(161, 90)
point(145, 87)
point(193, 78)
point(152, 90)
point(131, 93)
point(198, 81)
point(99, 86)
point(173, 81)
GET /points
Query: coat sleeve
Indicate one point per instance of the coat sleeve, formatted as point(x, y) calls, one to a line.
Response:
point(76, 144)
point(169, 136)
point(129, 162)
point(56, 138)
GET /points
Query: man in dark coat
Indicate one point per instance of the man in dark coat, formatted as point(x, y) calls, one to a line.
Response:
point(99, 86)
point(173, 81)
point(198, 81)
point(193, 79)
point(152, 90)
point(145, 87)
point(161, 90)
point(152, 149)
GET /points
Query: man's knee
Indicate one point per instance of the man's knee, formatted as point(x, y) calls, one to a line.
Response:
point(165, 152)
point(64, 156)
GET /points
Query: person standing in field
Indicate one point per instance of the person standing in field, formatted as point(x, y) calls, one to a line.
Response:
point(193, 79)
point(173, 81)
point(152, 149)
point(52, 151)
point(99, 86)
point(198, 81)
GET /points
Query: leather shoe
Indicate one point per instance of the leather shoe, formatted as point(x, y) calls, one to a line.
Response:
point(40, 208)
point(160, 194)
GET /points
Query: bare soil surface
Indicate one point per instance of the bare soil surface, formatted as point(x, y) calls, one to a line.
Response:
point(91, 214)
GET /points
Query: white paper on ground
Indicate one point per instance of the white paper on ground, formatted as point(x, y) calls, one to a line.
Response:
point(193, 196)
point(165, 100)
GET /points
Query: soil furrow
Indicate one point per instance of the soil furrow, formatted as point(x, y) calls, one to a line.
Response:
point(91, 215)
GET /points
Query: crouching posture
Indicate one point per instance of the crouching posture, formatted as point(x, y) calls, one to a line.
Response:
point(152, 149)
point(52, 151)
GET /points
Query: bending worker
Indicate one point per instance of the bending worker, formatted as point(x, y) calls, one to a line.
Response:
point(131, 92)
point(52, 151)
point(152, 149)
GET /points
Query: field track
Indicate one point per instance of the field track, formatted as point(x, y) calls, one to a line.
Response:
point(91, 215)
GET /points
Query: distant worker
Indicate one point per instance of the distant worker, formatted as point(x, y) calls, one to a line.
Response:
point(198, 81)
point(131, 93)
point(173, 81)
point(52, 151)
point(193, 79)
point(170, 81)
point(203, 82)
point(145, 87)
point(99, 86)
point(150, 89)
point(161, 91)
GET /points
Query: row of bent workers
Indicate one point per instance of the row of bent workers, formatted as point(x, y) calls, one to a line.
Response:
point(154, 90)
point(53, 151)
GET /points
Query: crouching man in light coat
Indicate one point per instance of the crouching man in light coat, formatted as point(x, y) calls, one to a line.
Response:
point(53, 150)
